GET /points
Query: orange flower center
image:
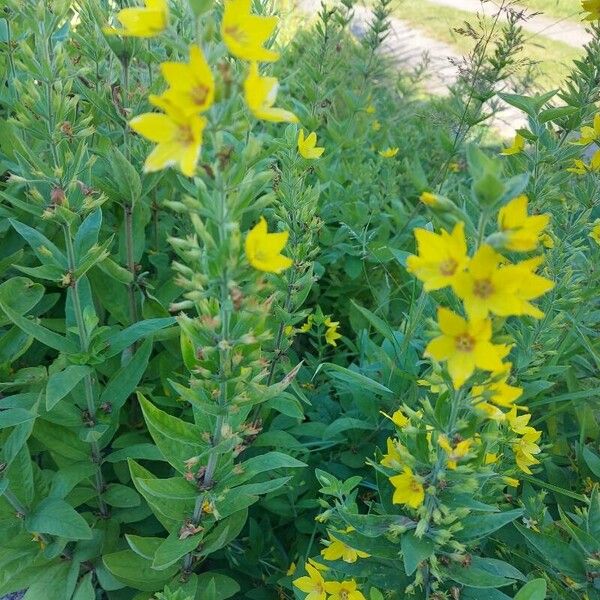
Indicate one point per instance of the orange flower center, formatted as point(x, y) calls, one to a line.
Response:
point(448, 267)
point(464, 342)
point(199, 94)
point(186, 135)
point(415, 486)
point(483, 288)
point(344, 595)
point(239, 34)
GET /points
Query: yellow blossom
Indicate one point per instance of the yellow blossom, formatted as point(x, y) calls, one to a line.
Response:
point(318, 565)
point(260, 93)
point(245, 34)
point(581, 168)
point(517, 146)
point(441, 257)
point(455, 167)
point(589, 135)
point(344, 590)
point(429, 199)
point(487, 287)
point(547, 241)
point(376, 125)
point(392, 459)
point(178, 138)
point(399, 418)
point(521, 231)
point(142, 22)
point(389, 152)
point(408, 489)
point(308, 325)
point(592, 7)
point(490, 458)
point(289, 330)
point(498, 391)
point(455, 452)
point(370, 109)
point(312, 584)
point(192, 87)
point(511, 481)
point(465, 345)
point(291, 569)
point(595, 233)
point(338, 549)
point(525, 448)
point(307, 147)
point(263, 249)
point(518, 423)
point(331, 335)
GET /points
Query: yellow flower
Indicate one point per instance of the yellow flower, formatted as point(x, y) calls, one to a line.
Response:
point(292, 569)
point(547, 241)
point(142, 22)
point(263, 249)
point(521, 231)
point(245, 34)
point(376, 125)
point(455, 452)
point(307, 147)
point(593, 8)
point(312, 584)
point(408, 489)
point(525, 448)
point(370, 109)
point(486, 287)
point(344, 590)
point(498, 391)
point(337, 549)
point(455, 167)
point(308, 325)
point(511, 481)
point(429, 199)
point(518, 423)
point(289, 330)
point(178, 138)
point(392, 459)
point(589, 135)
point(465, 345)
point(581, 168)
point(388, 152)
point(318, 565)
point(260, 93)
point(517, 146)
point(441, 257)
point(490, 458)
point(399, 418)
point(331, 335)
point(595, 233)
point(192, 87)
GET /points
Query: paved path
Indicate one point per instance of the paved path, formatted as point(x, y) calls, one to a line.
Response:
point(567, 31)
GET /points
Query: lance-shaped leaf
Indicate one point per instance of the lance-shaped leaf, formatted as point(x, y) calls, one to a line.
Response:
point(60, 384)
point(55, 517)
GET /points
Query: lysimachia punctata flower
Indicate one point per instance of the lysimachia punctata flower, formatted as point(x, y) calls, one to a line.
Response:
point(313, 584)
point(178, 138)
point(581, 168)
point(388, 152)
point(408, 489)
point(191, 84)
point(343, 590)
point(261, 93)
point(440, 257)
point(589, 135)
point(263, 249)
point(465, 346)
point(595, 233)
point(592, 7)
point(338, 549)
point(245, 34)
point(497, 390)
point(146, 21)
point(393, 458)
point(307, 146)
point(455, 452)
point(331, 335)
point(516, 147)
point(521, 231)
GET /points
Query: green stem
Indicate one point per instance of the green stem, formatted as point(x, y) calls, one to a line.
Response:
point(88, 385)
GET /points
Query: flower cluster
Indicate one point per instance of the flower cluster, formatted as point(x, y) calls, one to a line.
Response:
point(317, 588)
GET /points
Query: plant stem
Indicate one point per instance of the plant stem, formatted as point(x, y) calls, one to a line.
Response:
point(88, 385)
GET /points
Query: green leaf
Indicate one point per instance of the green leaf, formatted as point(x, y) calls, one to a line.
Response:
point(123, 383)
point(87, 234)
point(534, 590)
point(475, 577)
point(21, 294)
point(223, 586)
point(414, 551)
point(178, 440)
point(172, 549)
point(14, 416)
point(137, 451)
point(133, 570)
point(481, 525)
point(133, 333)
point(267, 462)
point(554, 114)
point(42, 247)
point(353, 379)
point(378, 323)
point(55, 517)
point(60, 384)
point(85, 589)
point(592, 460)
point(121, 496)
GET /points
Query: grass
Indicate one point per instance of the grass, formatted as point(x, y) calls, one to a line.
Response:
point(439, 22)
point(561, 9)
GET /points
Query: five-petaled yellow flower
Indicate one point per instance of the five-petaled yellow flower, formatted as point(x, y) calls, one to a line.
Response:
point(388, 152)
point(192, 87)
point(331, 335)
point(178, 138)
point(343, 590)
point(338, 549)
point(521, 232)
point(441, 257)
point(312, 584)
point(581, 168)
point(245, 34)
point(592, 7)
point(517, 146)
point(408, 489)
point(465, 345)
point(488, 287)
point(456, 451)
point(595, 233)
point(263, 249)
point(498, 391)
point(307, 146)
point(142, 22)
point(589, 135)
point(260, 93)
point(392, 459)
